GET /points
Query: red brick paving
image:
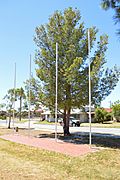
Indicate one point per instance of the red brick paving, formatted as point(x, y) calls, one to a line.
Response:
point(51, 145)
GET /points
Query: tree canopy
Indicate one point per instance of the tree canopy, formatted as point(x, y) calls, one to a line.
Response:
point(35, 91)
point(10, 98)
point(20, 95)
point(114, 4)
point(71, 35)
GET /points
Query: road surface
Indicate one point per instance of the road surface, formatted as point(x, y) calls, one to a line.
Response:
point(51, 127)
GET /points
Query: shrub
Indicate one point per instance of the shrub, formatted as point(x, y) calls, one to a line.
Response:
point(3, 117)
point(101, 115)
point(108, 117)
point(116, 110)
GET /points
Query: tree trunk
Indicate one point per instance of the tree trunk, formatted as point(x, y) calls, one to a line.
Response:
point(9, 121)
point(67, 111)
point(66, 122)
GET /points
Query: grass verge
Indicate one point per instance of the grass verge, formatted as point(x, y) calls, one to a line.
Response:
point(44, 122)
point(104, 125)
point(22, 162)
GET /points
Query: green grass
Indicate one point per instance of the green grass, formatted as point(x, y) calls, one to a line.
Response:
point(31, 163)
point(104, 125)
point(22, 162)
point(44, 122)
point(22, 120)
point(18, 121)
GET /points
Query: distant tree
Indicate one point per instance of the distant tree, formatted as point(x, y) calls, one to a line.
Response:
point(116, 110)
point(20, 95)
point(2, 105)
point(10, 98)
point(72, 39)
point(2, 112)
point(35, 92)
point(25, 105)
point(114, 4)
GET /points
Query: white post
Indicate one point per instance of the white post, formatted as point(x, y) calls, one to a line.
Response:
point(89, 88)
point(29, 94)
point(14, 96)
point(56, 91)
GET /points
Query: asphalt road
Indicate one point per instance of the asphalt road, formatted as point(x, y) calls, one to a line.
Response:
point(105, 131)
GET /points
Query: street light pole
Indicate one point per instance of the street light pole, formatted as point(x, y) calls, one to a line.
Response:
point(56, 92)
point(89, 88)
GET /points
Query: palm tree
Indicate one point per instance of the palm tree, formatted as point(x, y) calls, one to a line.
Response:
point(20, 95)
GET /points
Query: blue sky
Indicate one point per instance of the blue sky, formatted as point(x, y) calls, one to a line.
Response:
point(18, 20)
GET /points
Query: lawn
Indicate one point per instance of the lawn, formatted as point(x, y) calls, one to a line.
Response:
point(22, 162)
point(44, 122)
point(104, 125)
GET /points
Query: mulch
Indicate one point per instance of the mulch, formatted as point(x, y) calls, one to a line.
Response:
point(51, 144)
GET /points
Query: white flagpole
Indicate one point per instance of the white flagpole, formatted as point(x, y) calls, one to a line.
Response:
point(56, 91)
point(14, 95)
point(29, 94)
point(89, 88)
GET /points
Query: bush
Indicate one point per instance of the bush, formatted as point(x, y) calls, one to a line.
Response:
point(3, 117)
point(108, 117)
point(116, 110)
point(24, 114)
point(101, 115)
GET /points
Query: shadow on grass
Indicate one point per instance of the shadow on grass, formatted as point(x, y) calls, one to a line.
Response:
point(103, 140)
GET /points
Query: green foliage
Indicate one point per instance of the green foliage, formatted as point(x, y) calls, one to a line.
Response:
point(2, 113)
point(2, 105)
point(24, 114)
point(35, 92)
point(10, 98)
point(101, 115)
point(72, 39)
point(108, 117)
point(3, 117)
point(14, 95)
point(114, 4)
point(116, 110)
point(20, 95)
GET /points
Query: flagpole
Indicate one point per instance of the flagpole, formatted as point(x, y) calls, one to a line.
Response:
point(29, 95)
point(56, 91)
point(89, 88)
point(14, 95)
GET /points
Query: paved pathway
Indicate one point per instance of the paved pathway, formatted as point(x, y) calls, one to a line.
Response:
point(51, 145)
